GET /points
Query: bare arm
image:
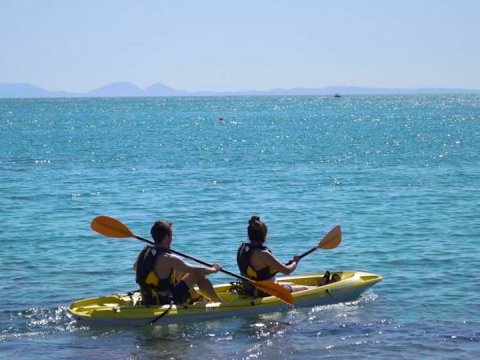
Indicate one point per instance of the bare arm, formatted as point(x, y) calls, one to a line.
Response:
point(181, 266)
point(270, 260)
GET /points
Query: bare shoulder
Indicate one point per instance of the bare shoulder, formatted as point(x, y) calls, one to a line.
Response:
point(165, 257)
point(265, 255)
point(172, 258)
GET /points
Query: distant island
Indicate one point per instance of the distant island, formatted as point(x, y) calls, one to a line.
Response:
point(127, 89)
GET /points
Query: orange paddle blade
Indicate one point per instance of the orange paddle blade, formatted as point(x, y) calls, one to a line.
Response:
point(274, 289)
point(108, 226)
point(332, 239)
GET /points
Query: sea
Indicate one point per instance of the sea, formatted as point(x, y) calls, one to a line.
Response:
point(400, 174)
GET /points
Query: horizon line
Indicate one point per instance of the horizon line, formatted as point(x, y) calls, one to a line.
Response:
point(159, 89)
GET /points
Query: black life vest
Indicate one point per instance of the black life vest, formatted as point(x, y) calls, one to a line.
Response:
point(150, 284)
point(244, 258)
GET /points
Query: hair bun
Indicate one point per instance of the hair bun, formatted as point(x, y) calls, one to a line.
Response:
point(257, 230)
point(253, 219)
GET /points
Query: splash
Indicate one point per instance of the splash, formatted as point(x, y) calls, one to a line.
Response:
point(36, 322)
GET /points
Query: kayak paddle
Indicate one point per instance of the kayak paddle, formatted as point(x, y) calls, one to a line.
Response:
point(111, 227)
point(330, 241)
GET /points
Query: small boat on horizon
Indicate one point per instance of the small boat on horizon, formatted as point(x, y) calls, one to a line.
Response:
point(337, 95)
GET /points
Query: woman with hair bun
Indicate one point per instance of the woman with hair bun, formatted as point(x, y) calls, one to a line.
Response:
point(257, 262)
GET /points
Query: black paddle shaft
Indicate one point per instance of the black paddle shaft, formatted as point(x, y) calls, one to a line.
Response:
point(304, 254)
point(308, 252)
point(195, 259)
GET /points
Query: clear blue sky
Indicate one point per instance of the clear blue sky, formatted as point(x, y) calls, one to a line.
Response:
point(240, 45)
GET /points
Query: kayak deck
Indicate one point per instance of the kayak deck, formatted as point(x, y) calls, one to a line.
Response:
point(127, 308)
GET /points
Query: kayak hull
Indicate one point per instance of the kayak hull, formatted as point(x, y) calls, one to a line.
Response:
point(124, 309)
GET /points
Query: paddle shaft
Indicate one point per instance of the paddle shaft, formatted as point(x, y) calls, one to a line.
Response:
point(304, 254)
point(333, 236)
point(195, 259)
point(308, 252)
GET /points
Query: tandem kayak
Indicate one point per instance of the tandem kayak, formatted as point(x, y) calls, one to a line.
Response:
point(123, 309)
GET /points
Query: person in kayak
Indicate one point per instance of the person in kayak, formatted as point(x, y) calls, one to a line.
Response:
point(257, 262)
point(163, 276)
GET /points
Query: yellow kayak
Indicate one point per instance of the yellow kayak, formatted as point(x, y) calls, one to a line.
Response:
point(125, 309)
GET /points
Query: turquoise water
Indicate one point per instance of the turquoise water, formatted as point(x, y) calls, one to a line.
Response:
point(401, 174)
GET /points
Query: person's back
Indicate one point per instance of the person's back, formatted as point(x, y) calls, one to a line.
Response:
point(251, 269)
point(164, 277)
point(256, 261)
point(155, 287)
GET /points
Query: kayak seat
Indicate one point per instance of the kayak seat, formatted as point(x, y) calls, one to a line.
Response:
point(237, 287)
point(329, 278)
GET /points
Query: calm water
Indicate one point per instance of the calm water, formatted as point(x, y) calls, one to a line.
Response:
point(401, 174)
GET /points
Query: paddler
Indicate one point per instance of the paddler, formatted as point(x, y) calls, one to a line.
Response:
point(257, 262)
point(164, 277)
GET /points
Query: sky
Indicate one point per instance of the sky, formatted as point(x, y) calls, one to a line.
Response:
point(229, 45)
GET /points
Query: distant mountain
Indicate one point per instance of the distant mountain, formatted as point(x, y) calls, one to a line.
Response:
point(24, 90)
point(123, 88)
point(127, 89)
point(159, 89)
